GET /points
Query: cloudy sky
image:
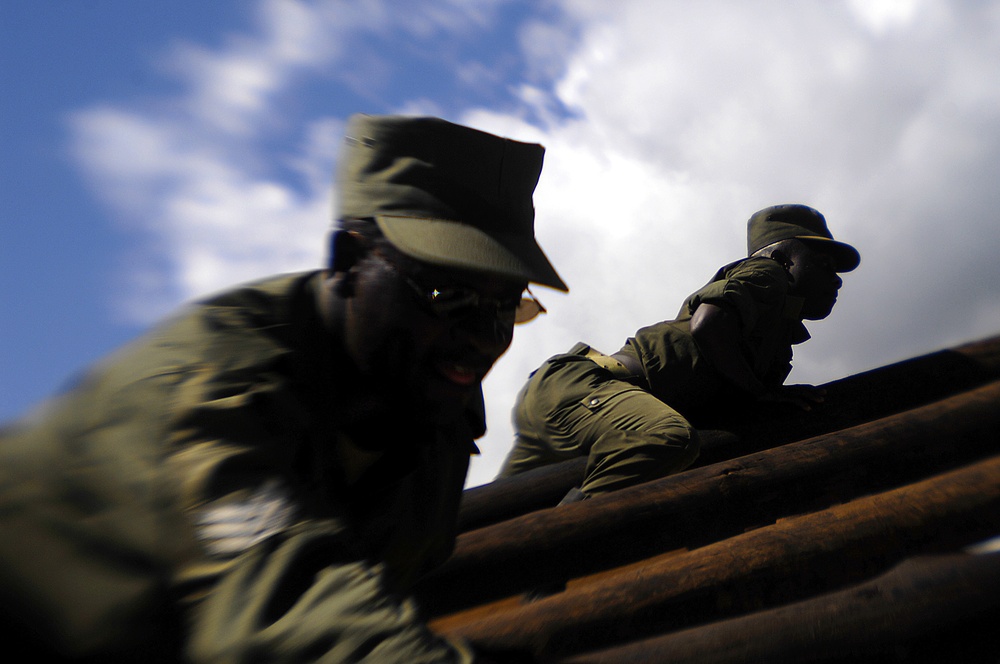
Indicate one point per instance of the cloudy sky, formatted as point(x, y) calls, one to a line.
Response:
point(156, 152)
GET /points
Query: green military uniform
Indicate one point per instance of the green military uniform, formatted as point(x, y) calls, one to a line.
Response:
point(197, 488)
point(638, 427)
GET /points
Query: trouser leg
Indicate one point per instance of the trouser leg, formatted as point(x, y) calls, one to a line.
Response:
point(624, 458)
point(629, 436)
point(571, 407)
point(557, 386)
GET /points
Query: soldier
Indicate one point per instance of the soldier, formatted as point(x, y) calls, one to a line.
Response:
point(633, 413)
point(263, 477)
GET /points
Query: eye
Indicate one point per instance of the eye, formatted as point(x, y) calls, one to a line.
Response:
point(452, 295)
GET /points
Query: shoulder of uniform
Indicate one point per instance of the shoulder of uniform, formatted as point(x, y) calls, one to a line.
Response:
point(261, 305)
point(272, 288)
point(763, 271)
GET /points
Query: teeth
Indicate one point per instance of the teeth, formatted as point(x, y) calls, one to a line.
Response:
point(459, 373)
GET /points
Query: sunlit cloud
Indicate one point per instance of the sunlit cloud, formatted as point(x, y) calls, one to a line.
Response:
point(883, 15)
point(193, 175)
point(667, 124)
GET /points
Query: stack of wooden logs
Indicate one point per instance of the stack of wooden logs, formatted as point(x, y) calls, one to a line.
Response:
point(853, 532)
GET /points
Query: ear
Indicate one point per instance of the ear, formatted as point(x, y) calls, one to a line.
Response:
point(346, 249)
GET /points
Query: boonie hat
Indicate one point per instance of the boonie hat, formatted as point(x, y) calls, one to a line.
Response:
point(800, 222)
point(446, 194)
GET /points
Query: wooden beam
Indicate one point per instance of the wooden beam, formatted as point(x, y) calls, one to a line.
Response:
point(941, 608)
point(706, 504)
point(790, 560)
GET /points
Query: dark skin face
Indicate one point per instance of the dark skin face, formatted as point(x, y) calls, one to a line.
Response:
point(404, 352)
point(813, 277)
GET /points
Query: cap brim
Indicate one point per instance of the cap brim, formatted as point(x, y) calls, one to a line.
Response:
point(845, 256)
point(458, 245)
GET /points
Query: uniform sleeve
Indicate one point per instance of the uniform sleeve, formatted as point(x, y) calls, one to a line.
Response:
point(283, 575)
point(749, 290)
point(300, 596)
point(278, 583)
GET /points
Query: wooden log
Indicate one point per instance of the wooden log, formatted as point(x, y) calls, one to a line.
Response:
point(850, 401)
point(706, 504)
point(864, 397)
point(508, 497)
point(787, 561)
point(929, 609)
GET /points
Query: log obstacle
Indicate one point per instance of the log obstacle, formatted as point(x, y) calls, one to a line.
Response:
point(707, 504)
point(787, 561)
point(942, 608)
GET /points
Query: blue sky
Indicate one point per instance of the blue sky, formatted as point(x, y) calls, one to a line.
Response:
point(64, 245)
point(156, 152)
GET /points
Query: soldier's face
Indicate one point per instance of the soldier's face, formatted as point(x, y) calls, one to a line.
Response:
point(431, 356)
point(815, 279)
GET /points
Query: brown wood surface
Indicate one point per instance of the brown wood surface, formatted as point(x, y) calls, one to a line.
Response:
point(931, 608)
point(707, 504)
point(790, 560)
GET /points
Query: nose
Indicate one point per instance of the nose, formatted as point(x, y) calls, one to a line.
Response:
point(837, 281)
point(486, 332)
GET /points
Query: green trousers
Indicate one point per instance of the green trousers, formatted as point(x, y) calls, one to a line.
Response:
point(572, 407)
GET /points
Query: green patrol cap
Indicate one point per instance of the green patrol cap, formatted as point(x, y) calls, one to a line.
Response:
point(800, 222)
point(446, 194)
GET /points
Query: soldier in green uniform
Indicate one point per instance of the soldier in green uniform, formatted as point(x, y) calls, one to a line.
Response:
point(264, 476)
point(635, 413)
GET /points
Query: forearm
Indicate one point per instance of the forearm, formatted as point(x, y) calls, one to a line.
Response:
point(302, 598)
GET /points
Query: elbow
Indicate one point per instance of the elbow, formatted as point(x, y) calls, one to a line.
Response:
point(709, 323)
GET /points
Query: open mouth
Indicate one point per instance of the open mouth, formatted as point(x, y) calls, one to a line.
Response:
point(459, 374)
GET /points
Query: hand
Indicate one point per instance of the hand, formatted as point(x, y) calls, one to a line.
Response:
point(803, 396)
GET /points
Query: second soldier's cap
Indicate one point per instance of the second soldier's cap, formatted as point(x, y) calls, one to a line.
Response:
point(446, 194)
point(800, 222)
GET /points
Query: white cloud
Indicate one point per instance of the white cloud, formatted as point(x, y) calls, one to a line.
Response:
point(211, 217)
point(883, 15)
point(233, 89)
point(692, 116)
point(192, 173)
point(684, 119)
